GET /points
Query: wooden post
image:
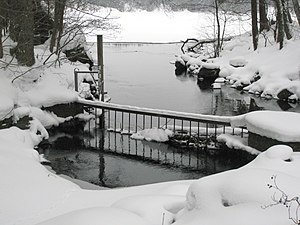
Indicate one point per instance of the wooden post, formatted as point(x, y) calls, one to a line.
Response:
point(100, 66)
point(101, 77)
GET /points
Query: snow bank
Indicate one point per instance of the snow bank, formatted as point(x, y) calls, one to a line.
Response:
point(31, 194)
point(282, 126)
point(8, 97)
point(96, 216)
point(47, 119)
point(236, 194)
point(277, 69)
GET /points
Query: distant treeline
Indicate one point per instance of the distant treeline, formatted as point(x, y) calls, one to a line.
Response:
point(174, 5)
point(149, 5)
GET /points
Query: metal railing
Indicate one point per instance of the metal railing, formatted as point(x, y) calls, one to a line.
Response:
point(189, 129)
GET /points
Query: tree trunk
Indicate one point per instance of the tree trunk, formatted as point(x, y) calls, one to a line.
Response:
point(279, 23)
point(254, 24)
point(217, 50)
point(14, 28)
point(58, 24)
point(22, 30)
point(263, 20)
point(3, 22)
point(297, 10)
point(286, 24)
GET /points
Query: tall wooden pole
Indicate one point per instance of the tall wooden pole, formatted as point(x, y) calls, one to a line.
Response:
point(100, 66)
point(101, 76)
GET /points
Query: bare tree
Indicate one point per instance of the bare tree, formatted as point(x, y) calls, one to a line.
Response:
point(254, 24)
point(3, 22)
point(279, 23)
point(22, 31)
point(286, 20)
point(263, 20)
point(297, 10)
point(58, 24)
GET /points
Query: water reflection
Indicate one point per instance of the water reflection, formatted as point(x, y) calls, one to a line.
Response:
point(113, 160)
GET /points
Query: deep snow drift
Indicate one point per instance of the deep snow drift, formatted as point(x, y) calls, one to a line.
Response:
point(30, 194)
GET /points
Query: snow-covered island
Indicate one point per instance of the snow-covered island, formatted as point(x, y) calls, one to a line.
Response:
point(265, 191)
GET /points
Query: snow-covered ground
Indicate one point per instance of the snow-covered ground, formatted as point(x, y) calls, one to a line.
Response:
point(263, 192)
point(31, 194)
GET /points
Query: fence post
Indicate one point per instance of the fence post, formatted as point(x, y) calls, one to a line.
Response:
point(101, 76)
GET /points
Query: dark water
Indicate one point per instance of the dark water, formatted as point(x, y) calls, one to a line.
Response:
point(120, 161)
point(141, 75)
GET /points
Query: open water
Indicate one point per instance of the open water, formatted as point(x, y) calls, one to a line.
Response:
point(142, 75)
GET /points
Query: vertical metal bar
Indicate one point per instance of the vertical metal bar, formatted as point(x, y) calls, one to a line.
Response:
point(122, 120)
point(150, 121)
point(129, 115)
point(158, 122)
point(198, 131)
point(143, 121)
point(174, 128)
point(198, 136)
point(206, 139)
point(215, 130)
point(166, 122)
point(242, 133)
point(190, 128)
point(115, 120)
point(182, 126)
point(136, 122)
point(76, 79)
point(136, 145)
point(108, 118)
point(224, 129)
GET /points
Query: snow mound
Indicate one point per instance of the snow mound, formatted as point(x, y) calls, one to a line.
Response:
point(238, 62)
point(282, 126)
point(283, 152)
point(8, 97)
point(234, 194)
point(158, 208)
point(153, 134)
point(98, 216)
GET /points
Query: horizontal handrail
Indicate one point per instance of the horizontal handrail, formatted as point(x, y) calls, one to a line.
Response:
point(221, 120)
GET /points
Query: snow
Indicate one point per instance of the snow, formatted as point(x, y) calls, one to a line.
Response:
point(238, 62)
point(46, 199)
point(153, 134)
point(47, 119)
point(282, 126)
point(31, 194)
point(236, 194)
point(238, 143)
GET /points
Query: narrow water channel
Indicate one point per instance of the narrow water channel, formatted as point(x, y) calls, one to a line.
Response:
point(141, 75)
